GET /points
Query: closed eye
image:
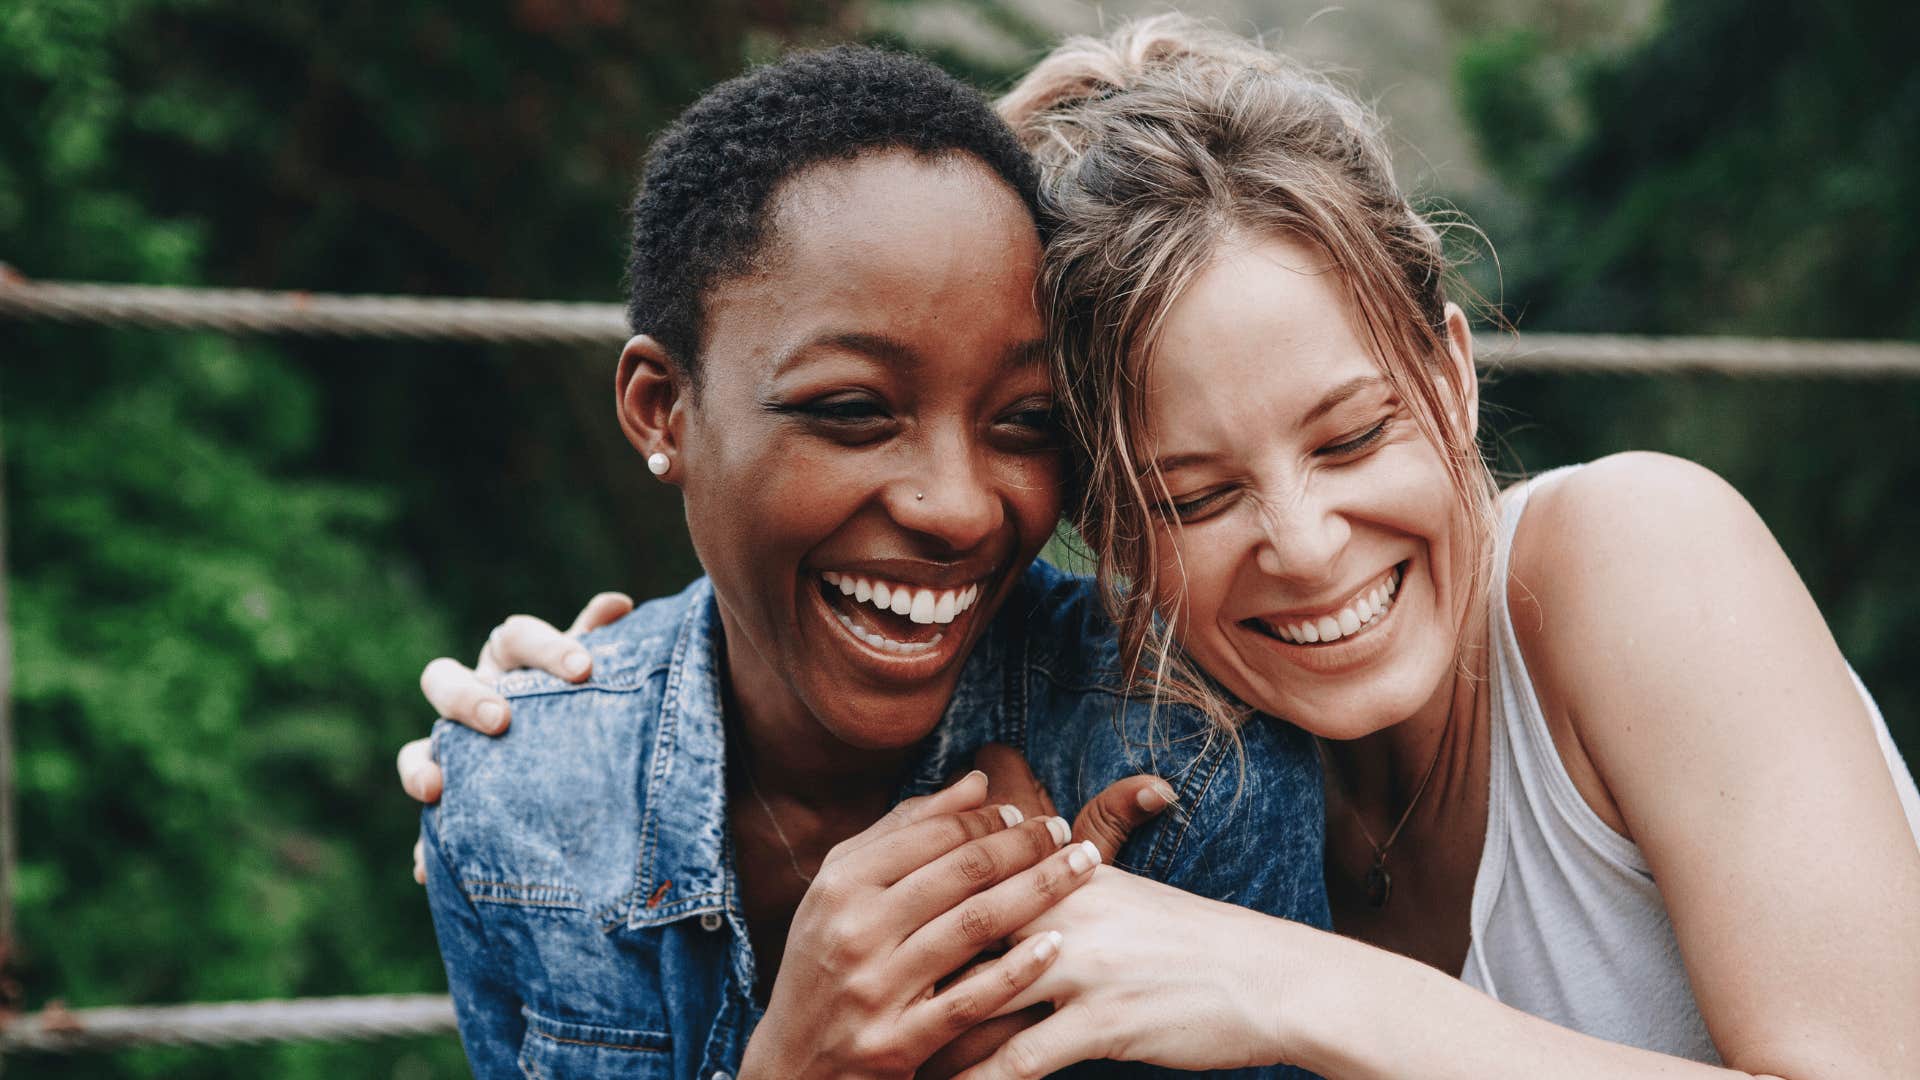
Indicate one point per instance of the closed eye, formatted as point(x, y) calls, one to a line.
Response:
point(1358, 443)
point(1199, 507)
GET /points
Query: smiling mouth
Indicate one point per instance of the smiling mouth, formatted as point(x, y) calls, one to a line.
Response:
point(1364, 611)
point(896, 618)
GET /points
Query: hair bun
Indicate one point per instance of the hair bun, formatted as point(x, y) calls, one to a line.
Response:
point(1085, 68)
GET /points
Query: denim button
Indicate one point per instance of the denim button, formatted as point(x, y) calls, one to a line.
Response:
point(711, 921)
point(722, 1076)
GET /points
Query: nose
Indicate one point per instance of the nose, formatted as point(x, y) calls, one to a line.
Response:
point(1302, 536)
point(950, 496)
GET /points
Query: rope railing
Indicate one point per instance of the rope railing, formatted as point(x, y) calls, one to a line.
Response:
point(239, 311)
point(64, 1031)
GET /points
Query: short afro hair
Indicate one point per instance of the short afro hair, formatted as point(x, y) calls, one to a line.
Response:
point(700, 215)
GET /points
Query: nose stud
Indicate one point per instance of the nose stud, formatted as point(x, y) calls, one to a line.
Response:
point(658, 464)
point(919, 496)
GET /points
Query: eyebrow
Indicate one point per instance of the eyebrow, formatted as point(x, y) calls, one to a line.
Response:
point(1334, 399)
point(895, 352)
point(1339, 395)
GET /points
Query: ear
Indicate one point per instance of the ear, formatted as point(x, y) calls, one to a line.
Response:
point(651, 398)
point(1466, 381)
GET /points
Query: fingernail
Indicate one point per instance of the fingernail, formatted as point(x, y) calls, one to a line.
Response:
point(1083, 857)
point(1062, 832)
point(1048, 944)
point(970, 776)
point(493, 716)
point(1011, 815)
point(1154, 798)
point(576, 664)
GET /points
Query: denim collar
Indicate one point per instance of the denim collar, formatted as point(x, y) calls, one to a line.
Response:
point(685, 871)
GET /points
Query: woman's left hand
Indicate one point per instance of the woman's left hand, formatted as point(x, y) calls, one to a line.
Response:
point(1150, 973)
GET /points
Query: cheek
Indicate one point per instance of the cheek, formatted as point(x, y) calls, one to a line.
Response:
point(1196, 570)
point(1031, 486)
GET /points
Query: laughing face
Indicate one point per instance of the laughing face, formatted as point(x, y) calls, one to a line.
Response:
point(869, 459)
point(1322, 551)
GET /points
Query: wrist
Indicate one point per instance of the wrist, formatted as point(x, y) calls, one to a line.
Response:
point(1281, 962)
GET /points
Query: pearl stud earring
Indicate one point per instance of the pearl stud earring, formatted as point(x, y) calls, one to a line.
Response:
point(658, 464)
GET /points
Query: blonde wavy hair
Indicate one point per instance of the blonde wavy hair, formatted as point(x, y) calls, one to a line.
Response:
point(1156, 143)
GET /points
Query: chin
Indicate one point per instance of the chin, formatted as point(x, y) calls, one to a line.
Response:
point(881, 721)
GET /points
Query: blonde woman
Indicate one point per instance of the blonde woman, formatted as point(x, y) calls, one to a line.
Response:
point(1603, 796)
point(1589, 745)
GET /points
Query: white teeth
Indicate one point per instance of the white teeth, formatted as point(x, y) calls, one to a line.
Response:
point(1364, 609)
point(885, 644)
point(923, 606)
point(921, 611)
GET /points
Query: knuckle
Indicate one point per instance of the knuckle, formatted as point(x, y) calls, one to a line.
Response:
point(976, 925)
point(1049, 882)
point(960, 1010)
point(1023, 1058)
point(976, 865)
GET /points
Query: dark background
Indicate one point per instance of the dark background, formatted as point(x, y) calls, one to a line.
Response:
point(230, 557)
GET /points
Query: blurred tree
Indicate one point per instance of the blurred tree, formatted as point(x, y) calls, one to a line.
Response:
point(1744, 168)
point(230, 558)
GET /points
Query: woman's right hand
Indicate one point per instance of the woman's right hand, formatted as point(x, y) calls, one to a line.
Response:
point(466, 696)
point(897, 910)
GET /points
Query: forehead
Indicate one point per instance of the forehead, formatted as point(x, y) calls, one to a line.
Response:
point(937, 252)
point(1257, 337)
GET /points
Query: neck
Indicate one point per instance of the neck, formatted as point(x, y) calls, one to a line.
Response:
point(791, 756)
point(1380, 775)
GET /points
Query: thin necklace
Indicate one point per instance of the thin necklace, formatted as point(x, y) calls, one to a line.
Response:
point(1379, 882)
point(774, 820)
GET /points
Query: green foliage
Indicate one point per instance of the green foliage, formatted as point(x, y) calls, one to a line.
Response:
point(230, 558)
point(1747, 168)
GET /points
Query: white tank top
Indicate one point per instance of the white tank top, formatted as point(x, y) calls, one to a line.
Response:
point(1567, 923)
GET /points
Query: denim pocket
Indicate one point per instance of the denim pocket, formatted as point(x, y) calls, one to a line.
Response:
point(560, 1050)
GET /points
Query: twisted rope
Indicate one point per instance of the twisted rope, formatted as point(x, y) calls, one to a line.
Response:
point(62, 1031)
point(239, 311)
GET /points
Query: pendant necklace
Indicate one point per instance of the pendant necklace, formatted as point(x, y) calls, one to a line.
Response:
point(1379, 883)
point(773, 819)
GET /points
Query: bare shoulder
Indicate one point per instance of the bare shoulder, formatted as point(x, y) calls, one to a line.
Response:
point(1637, 583)
point(1633, 533)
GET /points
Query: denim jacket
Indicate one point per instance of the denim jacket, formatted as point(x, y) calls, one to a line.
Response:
point(580, 869)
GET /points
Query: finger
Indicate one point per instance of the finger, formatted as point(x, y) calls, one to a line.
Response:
point(419, 773)
point(1045, 1048)
point(458, 694)
point(971, 868)
point(526, 642)
point(1123, 807)
point(946, 1015)
point(966, 793)
point(978, 1043)
point(601, 610)
point(419, 863)
point(950, 940)
point(1010, 780)
point(888, 859)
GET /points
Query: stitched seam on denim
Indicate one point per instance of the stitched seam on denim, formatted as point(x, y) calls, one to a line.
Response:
point(665, 743)
point(538, 1034)
point(1155, 859)
point(512, 901)
point(620, 684)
